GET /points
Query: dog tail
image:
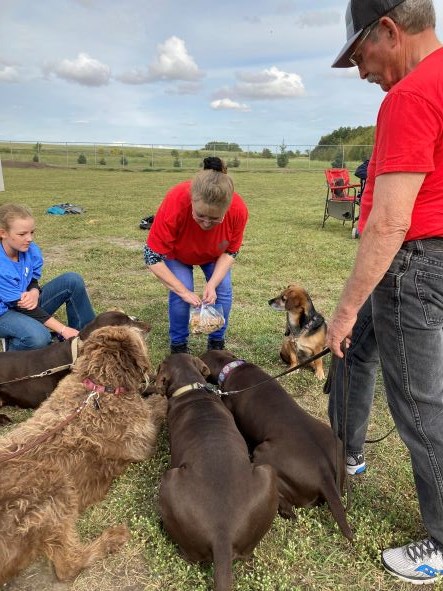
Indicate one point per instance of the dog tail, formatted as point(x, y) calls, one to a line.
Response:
point(336, 506)
point(222, 556)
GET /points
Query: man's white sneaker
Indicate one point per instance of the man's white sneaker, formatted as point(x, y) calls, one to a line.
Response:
point(419, 563)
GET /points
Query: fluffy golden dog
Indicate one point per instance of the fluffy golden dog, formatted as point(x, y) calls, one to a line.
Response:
point(43, 491)
point(305, 328)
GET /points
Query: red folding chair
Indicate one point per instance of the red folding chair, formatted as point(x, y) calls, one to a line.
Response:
point(342, 197)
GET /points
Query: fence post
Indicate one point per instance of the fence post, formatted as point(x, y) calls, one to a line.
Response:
point(2, 182)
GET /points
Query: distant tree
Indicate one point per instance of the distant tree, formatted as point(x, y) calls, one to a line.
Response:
point(35, 158)
point(38, 147)
point(282, 158)
point(124, 161)
point(290, 154)
point(177, 163)
point(266, 153)
point(174, 153)
point(102, 162)
point(82, 159)
point(234, 163)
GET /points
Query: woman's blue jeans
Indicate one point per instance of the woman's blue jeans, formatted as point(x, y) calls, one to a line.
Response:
point(407, 308)
point(23, 332)
point(362, 362)
point(179, 310)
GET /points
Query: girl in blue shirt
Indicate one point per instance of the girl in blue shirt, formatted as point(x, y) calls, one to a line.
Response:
point(26, 309)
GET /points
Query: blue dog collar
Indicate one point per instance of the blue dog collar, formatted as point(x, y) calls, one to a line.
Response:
point(227, 368)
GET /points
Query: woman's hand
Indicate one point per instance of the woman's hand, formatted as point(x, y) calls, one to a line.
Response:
point(190, 297)
point(209, 295)
point(29, 299)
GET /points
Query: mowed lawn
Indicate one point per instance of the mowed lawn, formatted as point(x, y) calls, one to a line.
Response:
point(284, 243)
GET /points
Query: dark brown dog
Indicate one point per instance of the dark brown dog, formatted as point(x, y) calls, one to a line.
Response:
point(305, 328)
point(303, 450)
point(214, 503)
point(30, 393)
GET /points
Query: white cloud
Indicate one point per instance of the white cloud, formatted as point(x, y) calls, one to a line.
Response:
point(270, 83)
point(227, 103)
point(84, 70)
point(172, 62)
point(9, 74)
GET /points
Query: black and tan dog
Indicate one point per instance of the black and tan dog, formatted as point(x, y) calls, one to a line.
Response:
point(305, 453)
point(305, 328)
point(214, 503)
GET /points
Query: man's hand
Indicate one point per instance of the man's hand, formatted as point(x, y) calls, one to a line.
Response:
point(339, 329)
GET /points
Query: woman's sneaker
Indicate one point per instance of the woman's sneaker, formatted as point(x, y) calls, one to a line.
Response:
point(419, 563)
point(355, 463)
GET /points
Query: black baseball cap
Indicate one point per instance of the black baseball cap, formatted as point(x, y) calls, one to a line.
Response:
point(359, 15)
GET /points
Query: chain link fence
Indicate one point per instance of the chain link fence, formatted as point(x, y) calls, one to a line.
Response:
point(150, 157)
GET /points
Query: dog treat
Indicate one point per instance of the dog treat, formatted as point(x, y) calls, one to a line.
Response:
point(205, 320)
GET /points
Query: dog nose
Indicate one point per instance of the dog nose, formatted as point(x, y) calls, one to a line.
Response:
point(270, 302)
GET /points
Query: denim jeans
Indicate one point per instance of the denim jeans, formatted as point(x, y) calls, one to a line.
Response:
point(362, 361)
point(24, 332)
point(179, 310)
point(407, 310)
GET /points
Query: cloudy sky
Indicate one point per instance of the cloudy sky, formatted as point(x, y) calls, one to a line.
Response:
point(172, 72)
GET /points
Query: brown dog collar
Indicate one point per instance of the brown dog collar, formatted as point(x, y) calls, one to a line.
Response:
point(227, 369)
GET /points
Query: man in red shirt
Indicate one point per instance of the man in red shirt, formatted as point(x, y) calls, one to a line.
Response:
point(199, 222)
point(400, 256)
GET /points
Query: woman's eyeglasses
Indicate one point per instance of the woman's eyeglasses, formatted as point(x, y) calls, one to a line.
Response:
point(206, 219)
point(354, 58)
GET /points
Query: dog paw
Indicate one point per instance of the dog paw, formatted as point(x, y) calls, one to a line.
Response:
point(320, 375)
point(115, 537)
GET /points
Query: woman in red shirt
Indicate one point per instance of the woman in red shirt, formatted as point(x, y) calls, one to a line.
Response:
point(199, 222)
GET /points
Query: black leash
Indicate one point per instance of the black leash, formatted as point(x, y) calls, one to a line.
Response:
point(212, 388)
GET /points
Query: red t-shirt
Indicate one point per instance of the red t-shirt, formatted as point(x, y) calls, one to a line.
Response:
point(177, 235)
point(409, 138)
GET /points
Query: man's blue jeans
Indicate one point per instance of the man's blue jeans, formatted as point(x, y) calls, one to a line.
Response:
point(362, 361)
point(407, 310)
point(179, 310)
point(24, 332)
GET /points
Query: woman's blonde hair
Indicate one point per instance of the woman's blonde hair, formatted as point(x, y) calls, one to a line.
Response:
point(213, 188)
point(10, 212)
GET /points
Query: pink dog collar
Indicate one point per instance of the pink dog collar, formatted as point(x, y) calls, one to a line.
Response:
point(227, 368)
point(89, 384)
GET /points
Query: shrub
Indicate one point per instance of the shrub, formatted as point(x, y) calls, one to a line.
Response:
point(82, 159)
point(35, 158)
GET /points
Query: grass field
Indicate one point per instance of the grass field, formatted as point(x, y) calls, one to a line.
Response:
point(284, 243)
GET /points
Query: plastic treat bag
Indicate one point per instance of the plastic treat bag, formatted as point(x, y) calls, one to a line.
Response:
point(206, 319)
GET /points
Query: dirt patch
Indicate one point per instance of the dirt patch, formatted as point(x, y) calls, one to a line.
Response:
point(126, 571)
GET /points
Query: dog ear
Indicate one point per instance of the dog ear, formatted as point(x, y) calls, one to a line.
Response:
point(161, 382)
point(202, 367)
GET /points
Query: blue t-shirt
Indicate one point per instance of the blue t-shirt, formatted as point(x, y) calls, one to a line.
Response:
point(15, 277)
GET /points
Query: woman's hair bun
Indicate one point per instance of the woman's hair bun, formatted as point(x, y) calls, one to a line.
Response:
point(214, 163)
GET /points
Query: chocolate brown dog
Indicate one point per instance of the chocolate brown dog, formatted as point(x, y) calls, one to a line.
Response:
point(305, 328)
point(214, 503)
point(303, 450)
point(30, 393)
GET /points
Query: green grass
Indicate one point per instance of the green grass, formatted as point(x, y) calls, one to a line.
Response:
point(284, 243)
